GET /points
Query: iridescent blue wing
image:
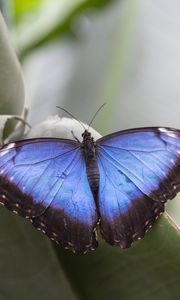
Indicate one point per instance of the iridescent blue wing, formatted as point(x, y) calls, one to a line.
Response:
point(139, 171)
point(45, 180)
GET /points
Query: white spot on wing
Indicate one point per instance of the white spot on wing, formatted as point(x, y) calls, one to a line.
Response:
point(169, 132)
point(11, 145)
point(162, 129)
point(5, 150)
point(42, 224)
point(54, 234)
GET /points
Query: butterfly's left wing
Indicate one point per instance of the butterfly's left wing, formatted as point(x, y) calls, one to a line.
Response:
point(45, 180)
point(139, 171)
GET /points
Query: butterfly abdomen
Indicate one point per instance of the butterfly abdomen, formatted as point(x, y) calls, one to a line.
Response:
point(89, 153)
point(92, 174)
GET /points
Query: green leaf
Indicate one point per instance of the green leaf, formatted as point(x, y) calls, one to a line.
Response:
point(29, 267)
point(148, 270)
point(4, 121)
point(173, 208)
point(11, 80)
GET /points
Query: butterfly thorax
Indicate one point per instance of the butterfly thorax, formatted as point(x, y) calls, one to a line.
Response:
point(89, 152)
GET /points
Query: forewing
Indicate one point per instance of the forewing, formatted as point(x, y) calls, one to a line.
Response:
point(139, 172)
point(45, 180)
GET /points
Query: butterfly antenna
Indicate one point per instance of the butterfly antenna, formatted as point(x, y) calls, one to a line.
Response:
point(71, 116)
point(96, 114)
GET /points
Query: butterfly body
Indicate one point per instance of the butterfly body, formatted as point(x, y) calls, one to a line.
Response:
point(66, 188)
point(90, 155)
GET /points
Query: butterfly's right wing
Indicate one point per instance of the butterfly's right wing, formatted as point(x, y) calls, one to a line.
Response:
point(45, 180)
point(139, 171)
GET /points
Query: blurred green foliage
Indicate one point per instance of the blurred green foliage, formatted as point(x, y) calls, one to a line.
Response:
point(23, 8)
point(44, 20)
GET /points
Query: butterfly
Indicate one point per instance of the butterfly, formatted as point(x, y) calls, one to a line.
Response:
point(67, 188)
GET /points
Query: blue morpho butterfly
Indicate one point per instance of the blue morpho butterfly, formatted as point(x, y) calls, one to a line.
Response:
point(66, 187)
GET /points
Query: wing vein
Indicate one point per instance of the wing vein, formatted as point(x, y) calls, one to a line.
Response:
point(120, 164)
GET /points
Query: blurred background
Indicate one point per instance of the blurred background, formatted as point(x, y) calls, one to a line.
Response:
point(79, 54)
